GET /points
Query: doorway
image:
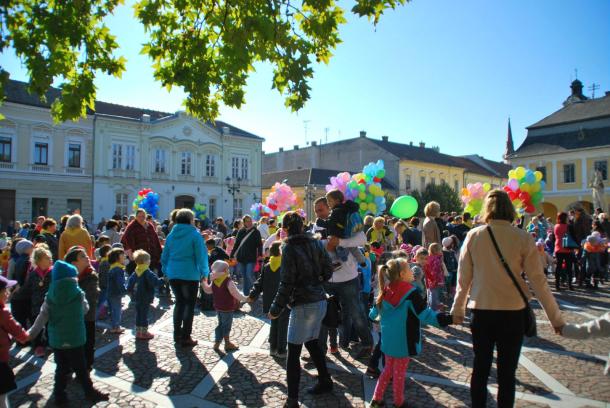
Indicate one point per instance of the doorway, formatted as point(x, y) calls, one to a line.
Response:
point(184, 201)
point(39, 207)
point(7, 208)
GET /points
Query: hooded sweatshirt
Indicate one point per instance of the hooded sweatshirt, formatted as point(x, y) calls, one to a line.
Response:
point(184, 255)
point(72, 237)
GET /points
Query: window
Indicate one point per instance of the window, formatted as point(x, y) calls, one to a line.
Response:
point(235, 167)
point(408, 182)
point(74, 155)
point(41, 153)
point(422, 182)
point(237, 208)
point(568, 173)
point(185, 164)
point(159, 161)
point(542, 169)
point(433, 180)
point(73, 204)
point(244, 168)
point(120, 207)
point(117, 156)
point(39, 207)
point(212, 209)
point(456, 185)
point(602, 166)
point(130, 157)
point(6, 144)
point(210, 165)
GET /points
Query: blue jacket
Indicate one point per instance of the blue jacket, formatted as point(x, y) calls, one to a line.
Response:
point(116, 282)
point(184, 255)
point(143, 286)
point(365, 274)
point(402, 312)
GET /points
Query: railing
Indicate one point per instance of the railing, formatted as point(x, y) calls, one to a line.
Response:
point(160, 176)
point(124, 173)
point(7, 166)
point(74, 170)
point(41, 168)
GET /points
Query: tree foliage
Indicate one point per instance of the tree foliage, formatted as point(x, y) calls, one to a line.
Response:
point(207, 47)
point(442, 193)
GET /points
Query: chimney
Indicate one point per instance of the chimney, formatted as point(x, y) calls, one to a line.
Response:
point(314, 143)
point(296, 147)
point(410, 143)
point(145, 118)
point(281, 149)
point(363, 133)
point(384, 138)
point(607, 93)
point(422, 144)
point(225, 130)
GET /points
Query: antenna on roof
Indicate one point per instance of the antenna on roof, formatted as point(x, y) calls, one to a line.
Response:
point(305, 125)
point(326, 130)
point(575, 73)
point(594, 87)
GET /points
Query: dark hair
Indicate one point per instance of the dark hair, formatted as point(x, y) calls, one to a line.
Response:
point(321, 200)
point(562, 218)
point(172, 215)
point(104, 249)
point(49, 222)
point(467, 216)
point(211, 242)
point(414, 221)
point(335, 195)
point(236, 223)
point(141, 210)
point(275, 249)
point(72, 254)
point(101, 240)
point(111, 224)
point(114, 255)
point(271, 221)
point(293, 223)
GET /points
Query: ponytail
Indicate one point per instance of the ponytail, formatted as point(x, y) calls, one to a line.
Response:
point(382, 276)
point(389, 273)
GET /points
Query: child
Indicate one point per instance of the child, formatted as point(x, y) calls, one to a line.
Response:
point(398, 301)
point(344, 222)
point(103, 267)
point(545, 258)
point(268, 283)
point(64, 309)
point(226, 299)
point(116, 287)
point(21, 306)
point(9, 329)
point(593, 252)
point(380, 233)
point(88, 281)
point(145, 281)
point(450, 259)
point(36, 287)
point(421, 259)
point(435, 273)
point(592, 329)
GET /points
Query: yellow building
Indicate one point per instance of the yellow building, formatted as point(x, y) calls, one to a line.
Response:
point(567, 146)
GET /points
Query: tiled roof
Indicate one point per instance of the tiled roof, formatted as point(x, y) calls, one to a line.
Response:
point(16, 92)
point(576, 112)
point(313, 176)
point(415, 153)
point(578, 139)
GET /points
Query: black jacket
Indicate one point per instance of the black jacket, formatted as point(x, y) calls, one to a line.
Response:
point(268, 283)
point(89, 284)
point(338, 219)
point(251, 248)
point(52, 242)
point(217, 254)
point(36, 288)
point(305, 267)
point(22, 269)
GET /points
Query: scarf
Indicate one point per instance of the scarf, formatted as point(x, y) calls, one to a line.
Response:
point(275, 262)
point(140, 269)
point(104, 259)
point(87, 271)
point(218, 281)
point(42, 273)
point(117, 265)
point(44, 231)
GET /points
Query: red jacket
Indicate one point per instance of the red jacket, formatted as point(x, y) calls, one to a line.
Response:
point(9, 329)
point(138, 237)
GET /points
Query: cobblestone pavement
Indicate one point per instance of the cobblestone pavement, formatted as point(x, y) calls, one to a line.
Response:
point(553, 371)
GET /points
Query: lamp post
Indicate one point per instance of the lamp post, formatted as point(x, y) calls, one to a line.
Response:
point(310, 195)
point(233, 186)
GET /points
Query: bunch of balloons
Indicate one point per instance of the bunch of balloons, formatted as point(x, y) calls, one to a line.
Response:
point(147, 200)
point(259, 210)
point(281, 198)
point(200, 211)
point(472, 197)
point(363, 188)
point(524, 188)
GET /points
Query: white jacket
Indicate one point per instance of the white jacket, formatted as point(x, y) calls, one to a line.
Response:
point(594, 328)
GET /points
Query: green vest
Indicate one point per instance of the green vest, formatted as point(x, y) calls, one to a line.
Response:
point(66, 318)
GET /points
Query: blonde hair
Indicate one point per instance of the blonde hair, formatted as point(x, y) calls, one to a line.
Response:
point(379, 220)
point(141, 257)
point(432, 209)
point(435, 249)
point(497, 206)
point(390, 272)
point(39, 252)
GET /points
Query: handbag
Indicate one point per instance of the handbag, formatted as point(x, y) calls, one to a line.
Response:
point(529, 318)
point(568, 242)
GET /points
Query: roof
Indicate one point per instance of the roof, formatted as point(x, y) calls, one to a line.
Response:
point(559, 142)
point(576, 112)
point(415, 153)
point(312, 176)
point(16, 92)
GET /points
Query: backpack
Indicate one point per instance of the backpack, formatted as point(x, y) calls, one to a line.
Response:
point(354, 224)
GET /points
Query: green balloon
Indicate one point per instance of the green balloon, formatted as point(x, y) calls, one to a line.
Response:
point(404, 207)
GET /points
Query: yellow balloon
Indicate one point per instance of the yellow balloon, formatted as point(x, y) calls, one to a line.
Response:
point(363, 206)
point(511, 174)
point(362, 195)
point(525, 187)
point(538, 175)
point(486, 187)
point(373, 207)
point(535, 187)
point(519, 172)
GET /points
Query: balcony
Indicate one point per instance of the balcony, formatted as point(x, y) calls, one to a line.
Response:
point(75, 170)
point(7, 166)
point(159, 175)
point(40, 168)
point(186, 177)
point(123, 173)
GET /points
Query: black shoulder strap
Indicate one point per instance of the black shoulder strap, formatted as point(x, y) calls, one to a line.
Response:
point(506, 267)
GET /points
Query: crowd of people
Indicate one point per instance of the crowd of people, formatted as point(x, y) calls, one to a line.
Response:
point(339, 282)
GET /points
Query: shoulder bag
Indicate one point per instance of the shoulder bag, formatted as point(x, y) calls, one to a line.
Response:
point(529, 318)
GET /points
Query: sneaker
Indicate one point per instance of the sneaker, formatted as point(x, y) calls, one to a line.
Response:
point(321, 387)
point(306, 358)
point(39, 351)
point(217, 346)
point(291, 403)
point(145, 336)
point(334, 350)
point(373, 372)
point(189, 342)
point(377, 404)
point(230, 347)
point(97, 396)
point(117, 330)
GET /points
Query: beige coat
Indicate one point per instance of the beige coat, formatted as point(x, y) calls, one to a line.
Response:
point(482, 276)
point(430, 233)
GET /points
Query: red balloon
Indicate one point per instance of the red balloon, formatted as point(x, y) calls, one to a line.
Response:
point(530, 209)
point(525, 197)
point(512, 195)
point(376, 179)
point(507, 189)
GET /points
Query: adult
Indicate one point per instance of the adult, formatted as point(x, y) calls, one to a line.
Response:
point(345, 285)
point(36, 230)
point(185, 263)
point(221, 226)
point(247, 249)
point(412, 234)
point(141, 234)
point(605, 223)
point(582, 229)
point(237, 225)
point(49, 230)
point(112, 231)
point(460, 229)
point(305, 266)
point(430, 230)
point(263, 227)
point(74, 235)
point(497, 308)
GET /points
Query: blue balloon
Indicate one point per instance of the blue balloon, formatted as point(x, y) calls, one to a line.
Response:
point(530, 177)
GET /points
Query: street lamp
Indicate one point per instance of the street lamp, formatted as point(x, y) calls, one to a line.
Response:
point(310, 195)
point(233, 186)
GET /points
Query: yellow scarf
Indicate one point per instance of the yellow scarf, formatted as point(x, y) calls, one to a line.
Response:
point(44, 231)
point(104, 259)
point(275, 262)
point(117, 265)
point(218, 281)
point(140, 269)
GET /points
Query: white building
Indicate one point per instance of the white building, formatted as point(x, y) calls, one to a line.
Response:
point(184, 160)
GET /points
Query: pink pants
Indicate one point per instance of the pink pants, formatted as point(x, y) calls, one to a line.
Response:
point(396, 369)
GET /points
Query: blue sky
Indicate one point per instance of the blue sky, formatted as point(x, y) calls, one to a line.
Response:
point(448, 73)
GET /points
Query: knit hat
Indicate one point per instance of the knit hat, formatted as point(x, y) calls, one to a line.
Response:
point(219, 266)
point(23, 245)
point(117, 245)
point(447, 242)
point(6, 283)
point(62, 270)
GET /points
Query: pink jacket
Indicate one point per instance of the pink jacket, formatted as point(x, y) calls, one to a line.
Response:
point(9, 329)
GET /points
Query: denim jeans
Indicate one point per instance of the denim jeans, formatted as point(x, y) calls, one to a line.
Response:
point(305, 322)
point(142, 314)
point(352, 314)
point(247, 271)
point(223, 330)
point(185, 293)
point(101, 302)
point(278, 334)
point(115, 304)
